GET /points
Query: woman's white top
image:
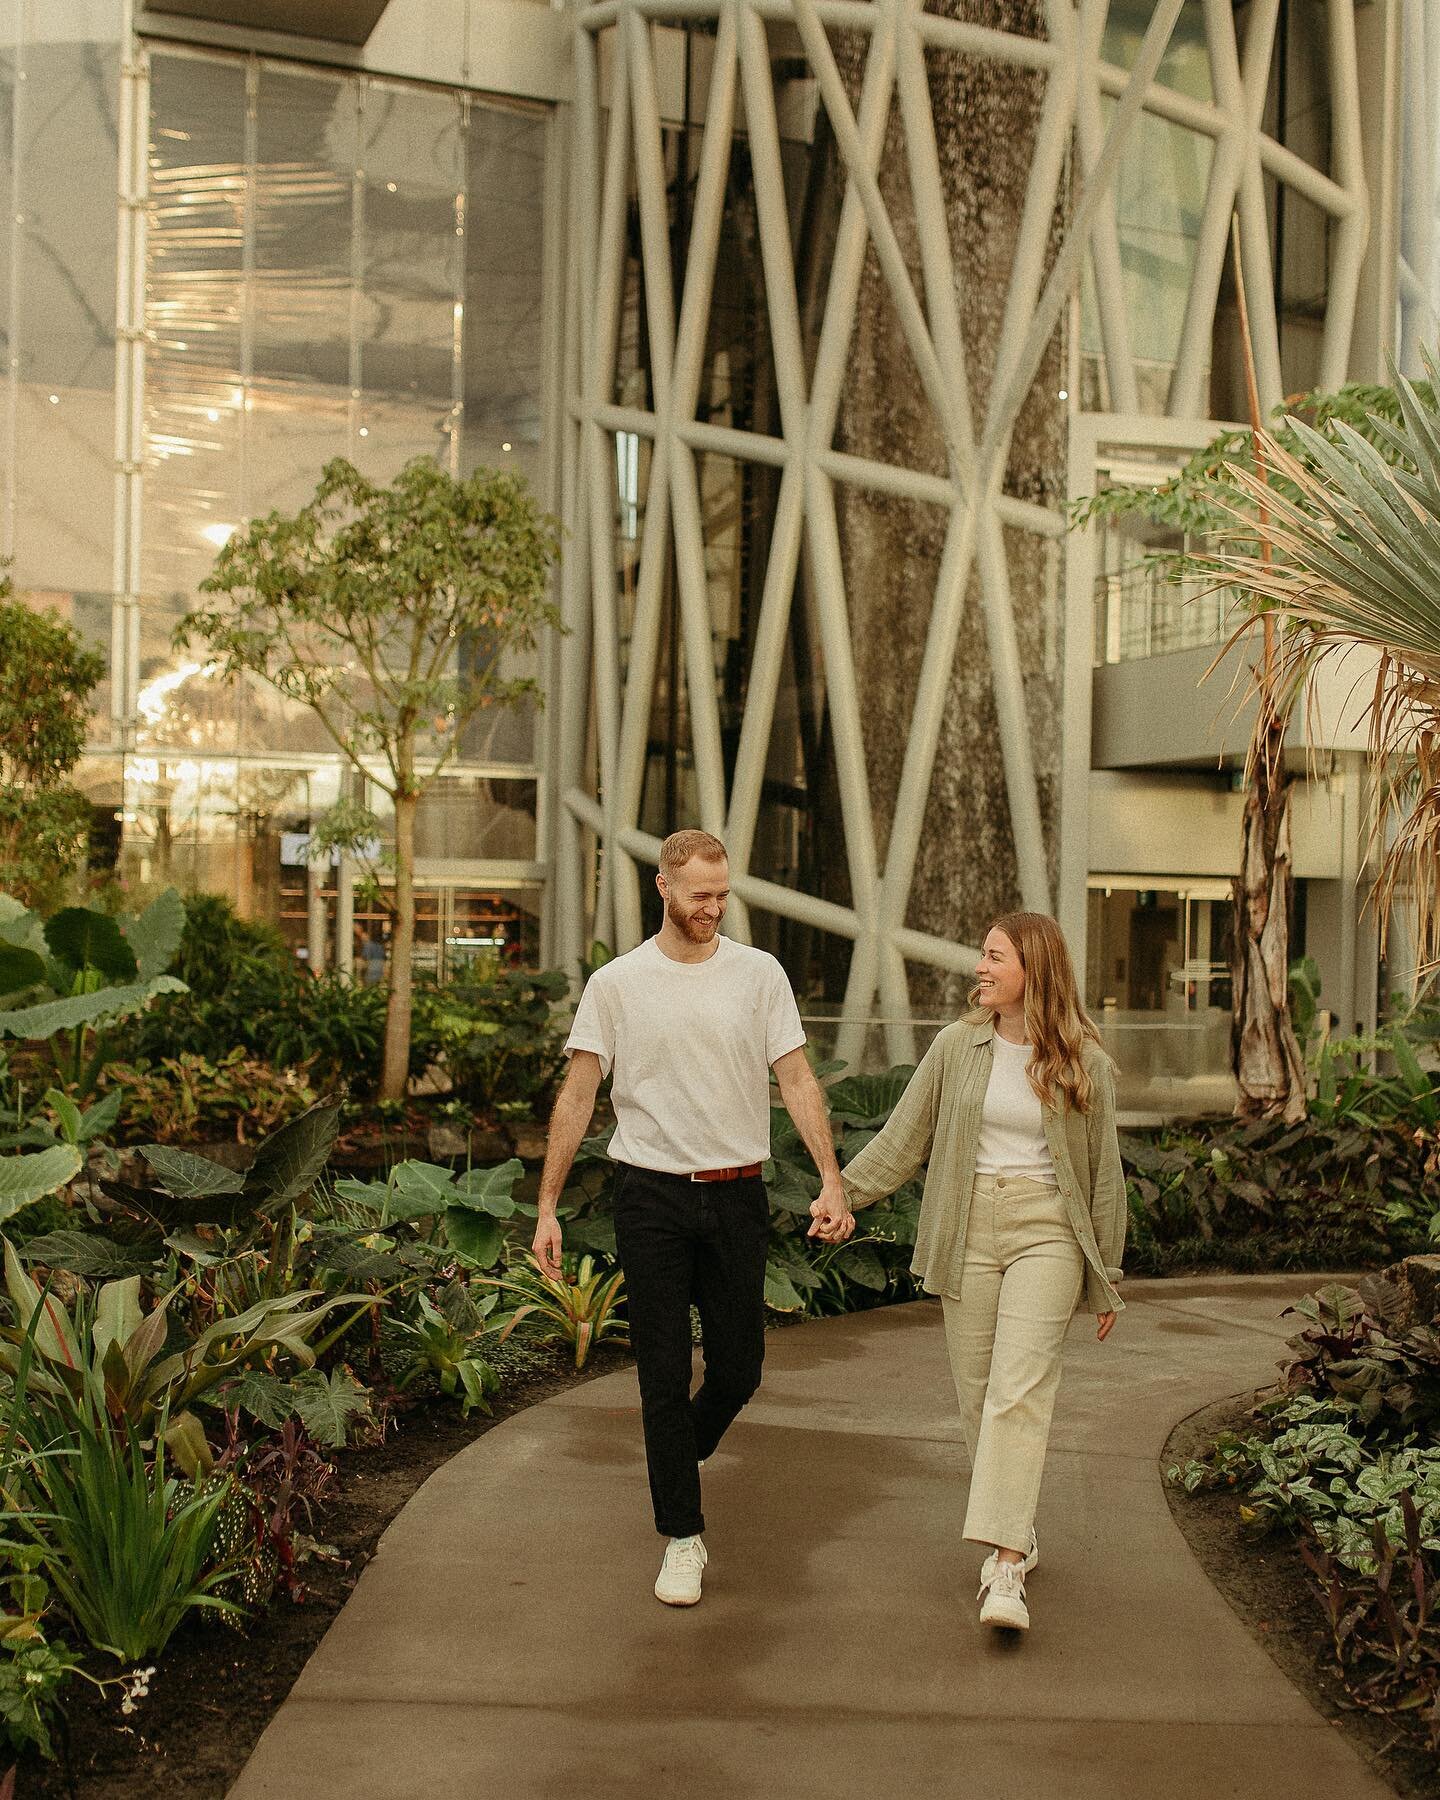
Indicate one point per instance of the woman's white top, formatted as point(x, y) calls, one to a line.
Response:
point(1012, 1128)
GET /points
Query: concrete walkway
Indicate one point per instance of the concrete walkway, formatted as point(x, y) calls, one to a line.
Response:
point(504, 1644)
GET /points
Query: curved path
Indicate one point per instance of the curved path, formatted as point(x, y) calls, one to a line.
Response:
point(504, 1643)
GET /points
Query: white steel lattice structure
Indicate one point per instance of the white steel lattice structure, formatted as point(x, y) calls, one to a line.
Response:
point(1077, 153)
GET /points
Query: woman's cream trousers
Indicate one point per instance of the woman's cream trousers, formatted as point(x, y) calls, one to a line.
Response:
point(1005, 1330)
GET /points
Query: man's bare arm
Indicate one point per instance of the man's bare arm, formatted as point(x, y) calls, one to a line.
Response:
point(571, 1115)
point(805, 1102)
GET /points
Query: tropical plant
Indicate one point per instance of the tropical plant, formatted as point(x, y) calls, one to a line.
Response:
point(497, 1031)
point(581, 1308)
point(1343, 1457)
point(188, 1097)
point(463, 1212)
point(109, 1355)
point(1346, 1191)
point(218, 948)
point(125, 1544)
point(1231, 493)
point(46, 679)
point(1357, 532)
point(81, 971)
point(444, 1344)
point(389, 612)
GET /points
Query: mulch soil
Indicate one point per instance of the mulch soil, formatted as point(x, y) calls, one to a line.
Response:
point(1268, 1588)
point(215, 1691)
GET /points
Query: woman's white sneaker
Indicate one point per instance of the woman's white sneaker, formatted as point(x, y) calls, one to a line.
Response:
point(992, 1561)
point(678, 1583)
point(1004, 1598)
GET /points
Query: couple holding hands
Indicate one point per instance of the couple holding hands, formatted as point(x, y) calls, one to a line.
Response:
point(1022, 1223)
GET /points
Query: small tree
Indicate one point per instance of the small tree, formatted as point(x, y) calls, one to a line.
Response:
point(46, 678)
point(388, 611)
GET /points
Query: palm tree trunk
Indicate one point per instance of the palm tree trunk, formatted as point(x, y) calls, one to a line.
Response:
point(1269, 1066)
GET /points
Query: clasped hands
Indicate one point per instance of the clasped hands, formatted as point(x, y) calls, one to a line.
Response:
point(831, 1218)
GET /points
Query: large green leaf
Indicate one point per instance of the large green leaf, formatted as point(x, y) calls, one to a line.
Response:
point(491, 1190)
point(264, 1396)
point(475, 1236)
point(87, 1253)
point(117, 1314)
point(155, 935)
point(861, 1262)
point(18, 925)
point(188, 1176)
point(85, 939)
point(327, 1404)
point(422, 1184)
point(780, 1294)
point(867, 1099)
point(54, 1336)
point(593, 1231)
point(19, 968)
point(289, 1163)
point(26, 1179)
point(103, 1006)
point(345, 1257)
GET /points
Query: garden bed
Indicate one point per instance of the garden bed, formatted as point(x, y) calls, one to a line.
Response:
point(1266, 1586)
point(215, 1691)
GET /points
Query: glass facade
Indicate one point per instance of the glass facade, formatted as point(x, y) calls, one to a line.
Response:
point(333, 264)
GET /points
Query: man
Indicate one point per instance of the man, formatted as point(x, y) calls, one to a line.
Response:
point(691, 1024)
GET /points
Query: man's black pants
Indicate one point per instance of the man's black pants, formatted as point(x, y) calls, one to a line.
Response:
point(684, 1242)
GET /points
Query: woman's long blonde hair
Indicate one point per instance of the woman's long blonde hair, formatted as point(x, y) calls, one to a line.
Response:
point(1056, 1024)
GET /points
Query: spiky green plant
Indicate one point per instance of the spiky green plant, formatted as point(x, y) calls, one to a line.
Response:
point(1353, 527)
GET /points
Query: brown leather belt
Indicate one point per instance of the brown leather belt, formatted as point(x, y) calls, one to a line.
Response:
point(748, 1173)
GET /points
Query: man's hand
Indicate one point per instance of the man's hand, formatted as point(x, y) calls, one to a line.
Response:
point(832, 1218)
point(1105, 1323)
point(547, 1245)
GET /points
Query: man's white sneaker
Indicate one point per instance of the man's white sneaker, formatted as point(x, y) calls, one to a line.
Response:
point(1004, 1597)
point(679, 1579)
point(992, 1562)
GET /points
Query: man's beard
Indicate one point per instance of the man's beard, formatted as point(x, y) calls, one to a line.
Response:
point(697, 934)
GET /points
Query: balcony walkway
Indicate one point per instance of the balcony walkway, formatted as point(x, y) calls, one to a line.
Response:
point(504, 1642)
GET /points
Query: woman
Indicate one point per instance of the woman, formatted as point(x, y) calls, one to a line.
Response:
point(1022, 1223)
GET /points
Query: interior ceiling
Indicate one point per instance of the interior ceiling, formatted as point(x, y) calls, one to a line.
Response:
point(337, 21)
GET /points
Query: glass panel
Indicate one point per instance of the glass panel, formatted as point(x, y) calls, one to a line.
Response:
point(194, 398)
point(65, 284)
point(307, 152)
point(1185, 64)
point(477, 818)
point(505, 191)
point(413, 215)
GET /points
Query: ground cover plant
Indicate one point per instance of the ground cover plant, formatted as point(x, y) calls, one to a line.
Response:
point(1342, 1461)
point(1354, 1185)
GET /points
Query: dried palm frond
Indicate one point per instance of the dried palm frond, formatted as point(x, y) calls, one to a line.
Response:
point(1351, 556)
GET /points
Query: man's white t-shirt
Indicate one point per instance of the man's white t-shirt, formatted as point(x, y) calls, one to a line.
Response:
point(691, 1045)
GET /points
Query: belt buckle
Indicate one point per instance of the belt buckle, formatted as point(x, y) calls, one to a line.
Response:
point(695, 1176)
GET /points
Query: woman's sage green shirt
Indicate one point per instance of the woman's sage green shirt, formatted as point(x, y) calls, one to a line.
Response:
point(937, 1120)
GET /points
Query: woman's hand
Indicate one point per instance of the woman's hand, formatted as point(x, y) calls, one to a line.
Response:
point(1105, 1323)
point(832, 1218)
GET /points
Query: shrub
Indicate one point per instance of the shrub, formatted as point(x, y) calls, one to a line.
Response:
point(188, 1099)
point(1321, 1194)
point(496, 1031)
point(1344, 1457)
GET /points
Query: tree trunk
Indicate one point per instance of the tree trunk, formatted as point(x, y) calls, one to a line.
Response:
point(986, 115)
point(1269, 1066)
point(402, 946)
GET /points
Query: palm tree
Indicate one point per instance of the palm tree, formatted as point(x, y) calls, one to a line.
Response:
point(1349, 556)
